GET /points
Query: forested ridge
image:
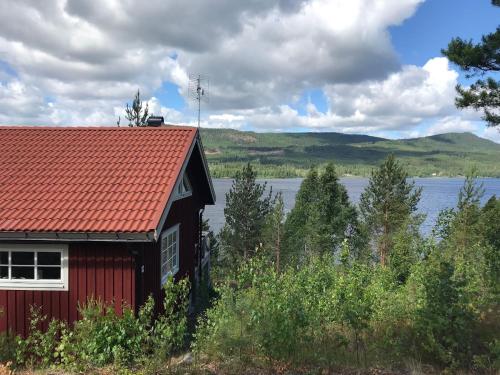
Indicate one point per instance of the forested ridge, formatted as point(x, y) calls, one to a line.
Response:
point(281, 155)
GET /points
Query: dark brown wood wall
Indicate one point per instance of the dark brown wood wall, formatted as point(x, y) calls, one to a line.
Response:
point(185, 213)
point(104, 271)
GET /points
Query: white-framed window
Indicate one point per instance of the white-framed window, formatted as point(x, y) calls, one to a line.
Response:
point(34, 267)
point(169, 252)
point(183, 188)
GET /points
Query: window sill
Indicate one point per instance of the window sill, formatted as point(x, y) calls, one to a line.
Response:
point(33, 285)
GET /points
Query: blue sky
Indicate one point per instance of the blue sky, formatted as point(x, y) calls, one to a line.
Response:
point(355, 66)
point(435, 22)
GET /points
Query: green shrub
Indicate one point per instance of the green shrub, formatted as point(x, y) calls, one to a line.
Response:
point(444, 322)
point(7, 347)
point(102, 337)
point(313, 316)
point(38, 348)
point(170, 328)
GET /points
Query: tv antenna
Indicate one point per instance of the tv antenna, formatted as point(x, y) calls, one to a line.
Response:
point(198, 91)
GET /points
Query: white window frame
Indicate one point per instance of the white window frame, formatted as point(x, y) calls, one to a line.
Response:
point(175, 269)
point(23, 284)
point(183, 189)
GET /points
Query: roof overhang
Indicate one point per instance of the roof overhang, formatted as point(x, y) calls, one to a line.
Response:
point(78, 236)
point(196, 142)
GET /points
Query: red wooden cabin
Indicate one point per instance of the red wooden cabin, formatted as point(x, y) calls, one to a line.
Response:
point(104, 213)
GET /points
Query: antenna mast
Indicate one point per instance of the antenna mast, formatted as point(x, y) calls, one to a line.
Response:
point(198, 91)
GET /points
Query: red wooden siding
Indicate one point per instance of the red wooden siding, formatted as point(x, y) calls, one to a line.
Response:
point(105, 271)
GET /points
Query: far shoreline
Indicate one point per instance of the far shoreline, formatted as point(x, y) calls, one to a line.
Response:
point(353, 176)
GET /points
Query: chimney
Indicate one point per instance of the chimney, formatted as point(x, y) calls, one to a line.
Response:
point(155, 121)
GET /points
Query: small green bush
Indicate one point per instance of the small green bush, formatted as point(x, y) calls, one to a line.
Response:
point(7, 347)
point(37, 349)
point(102, 337)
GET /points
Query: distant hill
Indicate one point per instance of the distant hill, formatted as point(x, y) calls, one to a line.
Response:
point(292, 154)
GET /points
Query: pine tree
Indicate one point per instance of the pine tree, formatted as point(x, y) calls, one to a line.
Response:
point(465, 229)
point(338, 215)
point(387, 203)
point(490, 222)
point(477, 60)
point(245, 213)
point(322, 217)
point(273, 233)
point(136, 115)
point(297, 235)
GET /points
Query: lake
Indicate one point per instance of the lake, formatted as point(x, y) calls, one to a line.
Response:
point(437, 194)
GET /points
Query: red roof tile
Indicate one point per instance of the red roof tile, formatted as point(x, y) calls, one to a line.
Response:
point(88, 179)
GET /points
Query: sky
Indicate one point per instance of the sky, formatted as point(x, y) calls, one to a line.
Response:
point(352, 66)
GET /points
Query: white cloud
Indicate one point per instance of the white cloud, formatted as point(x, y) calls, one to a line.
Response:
point(258, 52)
point(401, 102)
point(78, 62)
point(451, 124)
point(492, 134)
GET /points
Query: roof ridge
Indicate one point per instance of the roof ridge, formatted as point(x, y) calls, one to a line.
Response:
point(130, 128)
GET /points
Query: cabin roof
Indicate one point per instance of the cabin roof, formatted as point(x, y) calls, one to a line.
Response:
point(93, 179)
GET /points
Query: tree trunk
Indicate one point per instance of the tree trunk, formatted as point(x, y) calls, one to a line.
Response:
point(384, 245)
point(278, 250)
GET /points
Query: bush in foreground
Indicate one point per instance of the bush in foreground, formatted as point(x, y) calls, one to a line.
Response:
point(102, 337)
point(331, 315)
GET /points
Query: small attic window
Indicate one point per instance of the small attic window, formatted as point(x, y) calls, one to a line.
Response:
point(184, 188)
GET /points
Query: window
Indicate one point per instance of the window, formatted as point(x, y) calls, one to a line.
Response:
point(169, 253)
point(34, 267)
point(184, 188)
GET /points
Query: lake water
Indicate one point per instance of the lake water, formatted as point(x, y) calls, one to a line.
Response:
point(437, 194)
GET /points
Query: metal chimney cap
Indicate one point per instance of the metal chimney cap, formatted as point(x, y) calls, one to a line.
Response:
point(155, 121)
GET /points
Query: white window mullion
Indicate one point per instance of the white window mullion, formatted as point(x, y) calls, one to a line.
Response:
point(169, 252)
point(35, 266)
point(10, 265)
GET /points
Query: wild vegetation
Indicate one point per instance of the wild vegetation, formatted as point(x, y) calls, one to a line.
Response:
point(283, 155)
point(102, 338)
point(357, 288)
point(330, 287)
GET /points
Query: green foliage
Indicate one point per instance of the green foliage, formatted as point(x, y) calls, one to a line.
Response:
point(388, 203)
point(273, 231)
point(406, 250)
point(479, 59)
point(286, 155)
point(170, 328)
point(299, 220)
point(436, 302)
point(245, 214)
point(7, 347)
point(489, 223)
point(102, 337)
point(136, 114)
point(39, 346)
point(7, 344)
point(322, 217)
point(444, 322)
